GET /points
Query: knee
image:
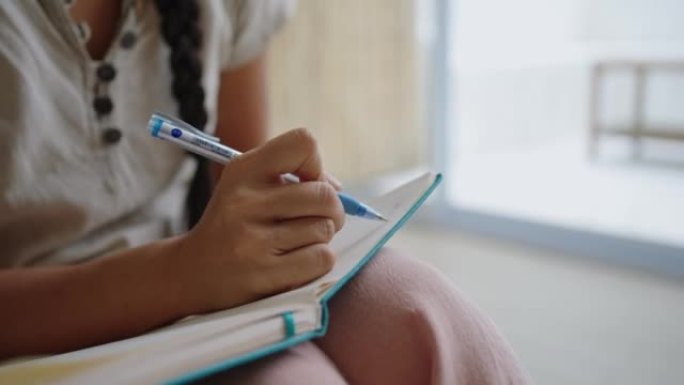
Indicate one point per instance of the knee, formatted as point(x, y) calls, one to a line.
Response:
point(425, 308)
point(416, 297)
point(392, 278)
point(419, 294)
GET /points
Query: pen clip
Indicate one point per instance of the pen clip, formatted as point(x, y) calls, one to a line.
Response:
point(181, 124)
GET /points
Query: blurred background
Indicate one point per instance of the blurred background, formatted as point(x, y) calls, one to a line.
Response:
point(559, 128)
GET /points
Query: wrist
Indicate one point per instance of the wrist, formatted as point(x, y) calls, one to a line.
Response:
point(161, 273)
point(141, 286)
point(179, 274)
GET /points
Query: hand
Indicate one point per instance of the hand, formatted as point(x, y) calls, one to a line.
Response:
point(259, 236)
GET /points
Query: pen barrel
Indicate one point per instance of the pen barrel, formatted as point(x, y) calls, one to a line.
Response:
point(190, 139)
point(351, 205)
point(198, 150)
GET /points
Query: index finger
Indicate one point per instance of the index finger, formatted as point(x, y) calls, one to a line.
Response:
point(293, 152)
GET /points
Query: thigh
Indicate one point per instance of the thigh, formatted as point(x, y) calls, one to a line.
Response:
point(301, 365)
point(401, 322)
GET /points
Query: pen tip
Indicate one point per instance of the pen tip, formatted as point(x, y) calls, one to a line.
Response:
point(370, 213)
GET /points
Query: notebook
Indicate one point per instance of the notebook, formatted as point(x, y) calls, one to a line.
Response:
point(201, 345)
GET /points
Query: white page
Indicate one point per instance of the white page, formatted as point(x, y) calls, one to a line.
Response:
point(167, 365)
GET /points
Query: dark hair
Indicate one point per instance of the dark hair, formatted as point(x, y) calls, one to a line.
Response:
point(180, 29)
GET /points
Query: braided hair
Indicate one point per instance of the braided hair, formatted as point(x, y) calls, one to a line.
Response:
point(180, 30)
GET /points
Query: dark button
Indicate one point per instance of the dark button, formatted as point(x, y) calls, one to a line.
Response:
point(106, 72)
point(128, 39)
point(103, 105)
point(111, 135)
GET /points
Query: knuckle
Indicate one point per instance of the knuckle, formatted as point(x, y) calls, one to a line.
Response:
point(339, 216)
point(304, 137)
point(327, 229)
point(305, 142)
point(325, 258)
point(325, 193)
point(327, 196)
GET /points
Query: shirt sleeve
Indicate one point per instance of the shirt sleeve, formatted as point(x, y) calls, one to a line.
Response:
point(249, 27)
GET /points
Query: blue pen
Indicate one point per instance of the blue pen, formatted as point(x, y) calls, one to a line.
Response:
point(186, 136)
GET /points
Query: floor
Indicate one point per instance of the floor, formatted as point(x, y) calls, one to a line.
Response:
point(571, 320)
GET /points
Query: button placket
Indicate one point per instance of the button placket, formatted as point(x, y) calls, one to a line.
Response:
point(106, 73)
point(103, 105)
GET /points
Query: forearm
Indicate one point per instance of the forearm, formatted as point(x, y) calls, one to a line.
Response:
point(54, 309)
point(243, 107)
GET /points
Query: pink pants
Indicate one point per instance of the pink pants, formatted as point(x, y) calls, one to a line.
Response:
point(397, 322)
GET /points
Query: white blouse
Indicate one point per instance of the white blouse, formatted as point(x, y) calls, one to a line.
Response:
point(75, 185)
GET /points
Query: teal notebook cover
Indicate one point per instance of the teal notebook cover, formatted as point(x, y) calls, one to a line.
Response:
point(293, 339)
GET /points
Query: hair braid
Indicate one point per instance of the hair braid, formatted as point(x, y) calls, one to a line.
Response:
point(180, 30)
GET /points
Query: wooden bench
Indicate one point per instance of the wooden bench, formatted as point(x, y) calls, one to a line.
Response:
point(638, 130)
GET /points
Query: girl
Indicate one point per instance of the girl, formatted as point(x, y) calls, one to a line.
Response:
point(94, 239)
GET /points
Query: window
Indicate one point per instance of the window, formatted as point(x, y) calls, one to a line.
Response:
point(565, 123)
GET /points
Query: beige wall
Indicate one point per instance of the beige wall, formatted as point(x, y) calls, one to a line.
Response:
point(350, 71)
